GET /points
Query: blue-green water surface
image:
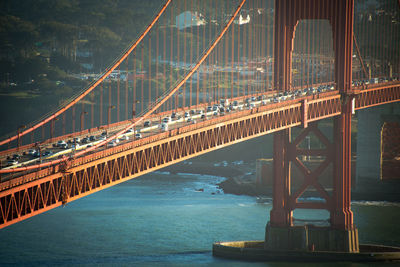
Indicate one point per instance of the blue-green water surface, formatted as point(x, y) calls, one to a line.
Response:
point(162, 220)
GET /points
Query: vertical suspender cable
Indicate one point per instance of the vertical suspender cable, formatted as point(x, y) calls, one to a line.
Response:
point(157, 77)
point(232, 57)
point(126, 88)
point(101, 103)
point(92, 110)
point(165, 62)
point(171, 58)
point(184, 54)
point(149, 78)
point(191, 53)
point(118, 95)
point(142, 77)
point(197, 55)
point(238, 60)
point(73, 121)
point(134, 86)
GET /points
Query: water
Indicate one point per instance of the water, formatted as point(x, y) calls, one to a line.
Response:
point(162, 220)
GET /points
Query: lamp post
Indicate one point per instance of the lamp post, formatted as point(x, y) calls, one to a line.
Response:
point(19, 132)
point(109, 113)
point(83, 119)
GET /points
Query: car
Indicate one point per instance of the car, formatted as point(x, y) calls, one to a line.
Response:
point(102, 138)
point(166, 119)
point(36, 154)
point(46, 153)
point(173, 115)
point(64, 146)
point(76, 140)
point(209, 108)
point(138, 136)
point(187, 115)
point(111, 144)
point(202, 116)
point(164, 127)
point(189, 120)
point(200, 111)
point(147, 124)
point(12, 162)
point(124, 138)
point(104, 134)
point(85, 140)
point(130, 130)
point(31, 152)
point(16, 156)
point(192, 112)
point(92, 138)
point(60, 143)
point(224, 102)
point(75, 146)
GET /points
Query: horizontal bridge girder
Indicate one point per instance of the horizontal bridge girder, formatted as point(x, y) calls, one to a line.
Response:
point(34, 193)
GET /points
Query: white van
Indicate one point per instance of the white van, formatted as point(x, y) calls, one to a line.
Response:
point(164, 127)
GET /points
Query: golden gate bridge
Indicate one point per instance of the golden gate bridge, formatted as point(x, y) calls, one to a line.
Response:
point(208, 74)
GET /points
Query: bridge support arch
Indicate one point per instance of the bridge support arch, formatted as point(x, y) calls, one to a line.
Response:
point(377, 141)
point(341, 235)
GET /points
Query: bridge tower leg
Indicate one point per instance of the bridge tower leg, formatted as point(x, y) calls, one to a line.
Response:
point(341, 235)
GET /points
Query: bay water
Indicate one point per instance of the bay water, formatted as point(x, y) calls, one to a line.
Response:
point(163, 219)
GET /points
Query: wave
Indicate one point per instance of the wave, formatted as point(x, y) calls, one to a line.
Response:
point(376, 203)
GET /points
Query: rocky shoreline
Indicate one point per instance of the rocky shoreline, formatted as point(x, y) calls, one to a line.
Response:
point(240, 180)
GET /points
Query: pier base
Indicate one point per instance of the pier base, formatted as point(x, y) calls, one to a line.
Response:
point(256, 251)
point(311, 238)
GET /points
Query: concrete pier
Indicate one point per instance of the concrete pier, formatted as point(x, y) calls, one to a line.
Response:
point(311, 238)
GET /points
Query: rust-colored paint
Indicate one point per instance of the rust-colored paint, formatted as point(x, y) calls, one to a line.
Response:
point(340, 15)
point(99, 170)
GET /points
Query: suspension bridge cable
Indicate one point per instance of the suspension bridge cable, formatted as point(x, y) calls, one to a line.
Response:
point(159, 101)
point(94, 84)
